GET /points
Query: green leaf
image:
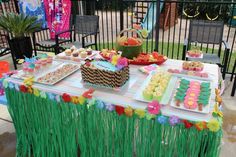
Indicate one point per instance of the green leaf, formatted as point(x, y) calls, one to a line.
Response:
point(19, 25)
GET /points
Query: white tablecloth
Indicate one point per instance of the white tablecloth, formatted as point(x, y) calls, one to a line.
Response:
point(125, 96)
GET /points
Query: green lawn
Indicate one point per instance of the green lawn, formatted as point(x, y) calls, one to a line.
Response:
point(172, 50)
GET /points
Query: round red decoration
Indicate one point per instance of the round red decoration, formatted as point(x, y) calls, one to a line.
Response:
point(120, 110)
point(187, 124)
point(23, 88)
point(66, 97)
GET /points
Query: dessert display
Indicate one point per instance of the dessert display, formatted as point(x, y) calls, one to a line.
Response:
point(193, 65)
point(195, 52)
point(156, 86)
point(58, 74)
point(192, 95)
point(189, 73)
point(107, 73)
point(75, 54)
point(146, 59)
point(35, 65)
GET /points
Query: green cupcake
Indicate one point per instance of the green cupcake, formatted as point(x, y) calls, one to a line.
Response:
point(147, 95)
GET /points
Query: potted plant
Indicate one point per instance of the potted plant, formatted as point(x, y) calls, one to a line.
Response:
point(19, 27)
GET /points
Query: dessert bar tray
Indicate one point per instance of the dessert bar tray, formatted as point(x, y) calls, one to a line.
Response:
point(205, 109)
point(53, 74)
point(167, 94)
point(63, 56)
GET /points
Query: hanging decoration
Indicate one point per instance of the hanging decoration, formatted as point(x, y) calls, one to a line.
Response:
point(58, 16)
point(33, 8)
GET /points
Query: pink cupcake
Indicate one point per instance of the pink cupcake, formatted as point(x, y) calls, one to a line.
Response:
point(44, 63)
point(37, 66)
point(30, 71)
point(49, 60)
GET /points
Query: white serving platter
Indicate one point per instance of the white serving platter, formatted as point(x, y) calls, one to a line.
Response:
point(205, 109)
point(56, 65)
point(61, 55)
point(167, 94)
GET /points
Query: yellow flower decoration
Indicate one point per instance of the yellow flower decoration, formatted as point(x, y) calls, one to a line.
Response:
point(128, 111)
point(36, 92)
point(75, 99)
point(217, 91)
point(114, 59)
point(213, 125)
point(140, 113)
point(216, 111)
point(29, 81)
point(81, 100)
point(30, 89)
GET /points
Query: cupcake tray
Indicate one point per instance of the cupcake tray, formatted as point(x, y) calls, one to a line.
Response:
point(205, 110)
point(166, 96)
point(56, 65)
point(62, 56)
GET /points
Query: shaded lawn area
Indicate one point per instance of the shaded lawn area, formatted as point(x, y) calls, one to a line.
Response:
point(171, 50)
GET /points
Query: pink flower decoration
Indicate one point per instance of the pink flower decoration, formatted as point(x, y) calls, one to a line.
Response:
point(122, 62)
point(154, 107)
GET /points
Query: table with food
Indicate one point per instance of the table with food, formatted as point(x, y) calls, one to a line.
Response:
point(103, 104)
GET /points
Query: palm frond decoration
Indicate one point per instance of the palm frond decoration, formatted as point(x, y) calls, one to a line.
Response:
point(19, 25)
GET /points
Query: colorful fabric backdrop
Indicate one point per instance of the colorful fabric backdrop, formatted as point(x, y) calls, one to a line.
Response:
point(58, 16)
point(34, 8)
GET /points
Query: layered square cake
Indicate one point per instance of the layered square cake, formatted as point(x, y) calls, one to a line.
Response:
point(109, 73)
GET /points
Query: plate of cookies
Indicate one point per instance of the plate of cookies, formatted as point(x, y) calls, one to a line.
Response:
point(76, 55)
point(192, 95)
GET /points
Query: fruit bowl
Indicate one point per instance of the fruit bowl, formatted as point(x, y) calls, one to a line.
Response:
point(147, 59)
point(130, 46)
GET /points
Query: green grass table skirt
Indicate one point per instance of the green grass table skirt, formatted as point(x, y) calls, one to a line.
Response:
point(46, 128)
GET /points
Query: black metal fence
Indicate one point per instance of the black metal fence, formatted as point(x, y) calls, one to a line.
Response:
point(167, 21)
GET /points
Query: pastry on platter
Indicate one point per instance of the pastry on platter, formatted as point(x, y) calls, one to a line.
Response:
point(68, 52)
point(83, 54)
point(192, 65)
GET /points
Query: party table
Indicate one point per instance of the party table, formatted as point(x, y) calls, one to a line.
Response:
point(61, 120)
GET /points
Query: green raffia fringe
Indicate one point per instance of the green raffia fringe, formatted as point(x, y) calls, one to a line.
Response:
point(45, 128)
